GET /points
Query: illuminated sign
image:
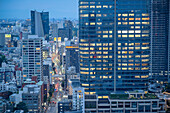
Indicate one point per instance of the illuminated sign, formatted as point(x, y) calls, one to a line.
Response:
point(59, 38)
point(72, 47)
point(55, 39)
point(7, 35)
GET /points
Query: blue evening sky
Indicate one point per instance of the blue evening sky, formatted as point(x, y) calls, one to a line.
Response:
point(21, 8)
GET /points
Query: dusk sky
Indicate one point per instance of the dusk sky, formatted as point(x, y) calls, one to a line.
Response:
point(21, 8)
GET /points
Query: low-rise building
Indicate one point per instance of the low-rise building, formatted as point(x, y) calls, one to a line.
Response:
point(64, 106)
point(132, 102)
point(31, 96)
point(78, 99)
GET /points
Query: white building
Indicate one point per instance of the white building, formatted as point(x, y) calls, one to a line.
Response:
point(32, 61)
point(11, 86)
point(6, 72)
point(78, 99)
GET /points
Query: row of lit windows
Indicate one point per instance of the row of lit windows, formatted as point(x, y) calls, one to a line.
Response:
point(131, 64)
point(131, 56)
point(94, 44)
point(99, 52)
point(132, 48)
point(131, 36)
point(143, 14)
point(143, 60)
point(98, 6)
point(133, 31)
point(125, 19)
point(97, 60)
point(144, 76)
point(125, 52)
point(132, 44)
point(86, 69)
point(137, 68)
point(97, 57)
point(132, 23)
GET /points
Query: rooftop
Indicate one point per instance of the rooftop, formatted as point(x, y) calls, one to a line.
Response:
point(127, 96)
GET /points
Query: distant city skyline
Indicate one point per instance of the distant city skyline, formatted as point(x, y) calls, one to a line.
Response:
point(20, 9)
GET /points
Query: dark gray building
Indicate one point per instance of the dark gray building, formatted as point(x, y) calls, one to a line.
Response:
point(31, 96)
point(40, 23)
point(72, 57)
point(64, 106)
point(66, 32)
point(160, 40)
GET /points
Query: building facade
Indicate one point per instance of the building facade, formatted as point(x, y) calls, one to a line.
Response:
point(134, 102)
point(32, 57)
point(160, 40)
point(114, 40)
point(31, 96)
point(40, 23)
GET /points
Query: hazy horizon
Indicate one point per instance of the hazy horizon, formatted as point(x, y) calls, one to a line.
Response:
point(20, 9)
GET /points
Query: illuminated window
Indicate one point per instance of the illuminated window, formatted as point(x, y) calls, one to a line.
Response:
point(137, 22)
point(92, 23)
point(131, 14)
point(131, 18)
point(131, 35)
point(124, 14)
point(92, 6)
point(145, 22)
point(137, 27)
point(119, 31)
point(131, 31)
point(84, 15)
point(137, 18)
point(131, 23)
point(99, 23)
point(143, 14)
point(105, 6)
point(124, 31)
point(98, 15)
point(124, 23)
point(99, 6)
point(105, 36)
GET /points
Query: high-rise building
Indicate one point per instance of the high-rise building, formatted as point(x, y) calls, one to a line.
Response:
point(66, 32)
point(32, 60)
point(159, 40)
point(40, 23)
point(114, 45)
point(72, 57)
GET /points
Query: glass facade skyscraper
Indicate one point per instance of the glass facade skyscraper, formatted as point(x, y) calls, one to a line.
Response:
point(40, 23)
point(114, 45)
point(159, 43)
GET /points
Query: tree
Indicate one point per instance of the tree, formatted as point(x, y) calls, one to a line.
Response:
point(2, 59)
point(62, 84)
point(22, 106)
point(168, 88)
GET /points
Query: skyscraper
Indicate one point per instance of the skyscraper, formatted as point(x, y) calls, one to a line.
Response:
point(114, 45)
point(40, 23)
point(159, 40)
point(32, 60)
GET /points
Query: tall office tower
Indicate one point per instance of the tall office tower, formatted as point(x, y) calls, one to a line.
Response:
point(32, 59)
point(40, 23)
point(72, 57)
point(159, 42)
point(69, 26)
point(54, 30)
point(114, 45)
